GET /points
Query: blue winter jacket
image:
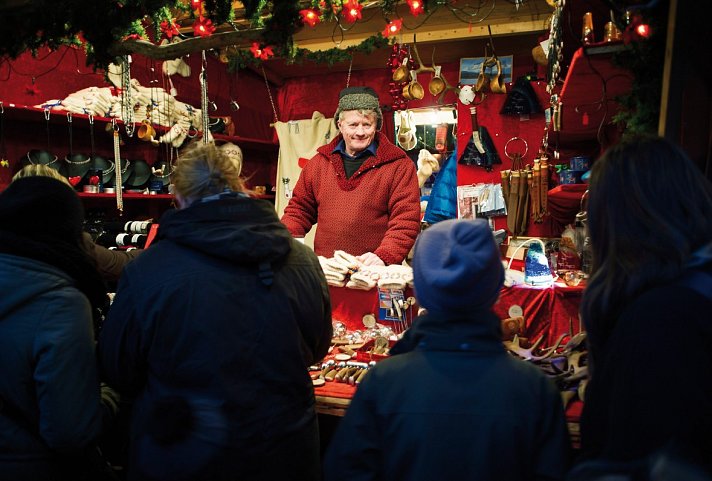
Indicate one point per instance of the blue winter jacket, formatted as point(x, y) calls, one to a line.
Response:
point(49, 393)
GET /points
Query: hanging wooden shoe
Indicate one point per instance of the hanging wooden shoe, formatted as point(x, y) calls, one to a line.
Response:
point(497, 84)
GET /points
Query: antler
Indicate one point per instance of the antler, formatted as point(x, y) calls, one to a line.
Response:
point(423, 68)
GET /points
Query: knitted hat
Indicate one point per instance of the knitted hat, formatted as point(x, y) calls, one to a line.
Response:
point(42, 208)
point(359, 98)
point(457, 267)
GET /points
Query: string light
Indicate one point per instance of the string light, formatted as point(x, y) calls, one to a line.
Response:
point(309, 17)
point(392, 28)
point(352, 11)
point(203, 27)
point(416, 7)
point(643, 30)
point(261, 53)
point(195, 4)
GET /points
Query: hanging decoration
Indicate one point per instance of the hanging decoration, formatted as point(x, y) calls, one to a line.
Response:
point(205, 119)
point(117, 162)
point(352, 11)
point(644, 35)
point(203, 27)
point(392, 28)
point(310, 17)
point(416, 7)
point(262, 53)
point(399, 60)
point(169, 29)
point(101, 27)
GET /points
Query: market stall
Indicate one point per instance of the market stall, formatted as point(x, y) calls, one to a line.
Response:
point(501, 113)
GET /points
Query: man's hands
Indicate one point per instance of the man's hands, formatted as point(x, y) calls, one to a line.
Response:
point(370, 259)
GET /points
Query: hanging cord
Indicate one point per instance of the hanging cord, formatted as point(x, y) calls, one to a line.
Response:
point(46, 116)
point(351, 63)
point(127, 111)
point(69, 126)
point(234, 106)
point(3, 151)
point(91, 140)
point(118, 182)
point(204, 98)
point(269, 92)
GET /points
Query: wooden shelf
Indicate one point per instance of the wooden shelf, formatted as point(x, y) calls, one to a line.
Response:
point(126, 196)
point(29, 113)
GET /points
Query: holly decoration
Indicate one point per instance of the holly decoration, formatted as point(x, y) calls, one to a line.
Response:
point(398, 54)
point(96, 25)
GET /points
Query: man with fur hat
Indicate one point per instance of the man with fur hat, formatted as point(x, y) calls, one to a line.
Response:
point(360, 188)
point(450, 403)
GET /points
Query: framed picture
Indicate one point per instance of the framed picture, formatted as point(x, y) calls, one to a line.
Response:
point(470, 69)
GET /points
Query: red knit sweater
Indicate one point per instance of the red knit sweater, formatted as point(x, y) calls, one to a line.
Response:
point(376, 210)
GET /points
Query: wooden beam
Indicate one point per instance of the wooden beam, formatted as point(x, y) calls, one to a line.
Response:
point(428, 36)
point(179, 49)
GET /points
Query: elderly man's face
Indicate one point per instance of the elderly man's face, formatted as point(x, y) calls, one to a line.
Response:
point(358, 130)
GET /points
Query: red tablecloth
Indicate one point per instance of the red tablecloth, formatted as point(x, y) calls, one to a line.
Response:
point(350, 305)
point(550, 312)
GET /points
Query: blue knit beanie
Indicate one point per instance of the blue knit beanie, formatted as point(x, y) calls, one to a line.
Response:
point(457, 267)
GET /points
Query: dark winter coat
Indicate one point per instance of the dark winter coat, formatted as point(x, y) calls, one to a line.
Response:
point(49, 392)
point(212, 331)
point(451, 404)
point(651, 388)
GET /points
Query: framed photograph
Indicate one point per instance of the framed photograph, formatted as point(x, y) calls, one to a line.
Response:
point(470, 69)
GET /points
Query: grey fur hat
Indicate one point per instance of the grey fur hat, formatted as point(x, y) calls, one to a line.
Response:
point(359, 98)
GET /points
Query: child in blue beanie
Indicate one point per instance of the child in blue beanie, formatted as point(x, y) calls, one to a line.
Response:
point(450, 403)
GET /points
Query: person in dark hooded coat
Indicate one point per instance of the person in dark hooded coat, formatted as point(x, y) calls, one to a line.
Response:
point(450, 403)
point(50, 409)
point(212, 331)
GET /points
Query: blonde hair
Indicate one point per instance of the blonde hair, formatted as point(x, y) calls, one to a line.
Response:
point(203, 170)
point(40, 170)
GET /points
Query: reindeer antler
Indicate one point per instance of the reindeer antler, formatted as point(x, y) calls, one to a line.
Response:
point(423, 68)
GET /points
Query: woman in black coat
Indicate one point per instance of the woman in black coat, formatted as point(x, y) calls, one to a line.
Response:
point(648, 307)
point(212, 331)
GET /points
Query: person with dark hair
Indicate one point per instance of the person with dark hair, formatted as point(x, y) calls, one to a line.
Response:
point(212, 331)
point(450, 403)
point(648, 306)
point(360, 189)
point(50, 410)
point(109, 263)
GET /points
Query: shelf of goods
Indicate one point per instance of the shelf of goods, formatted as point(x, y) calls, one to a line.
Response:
point(27, 128)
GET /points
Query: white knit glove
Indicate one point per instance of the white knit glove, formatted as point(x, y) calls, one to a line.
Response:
point(370, 259)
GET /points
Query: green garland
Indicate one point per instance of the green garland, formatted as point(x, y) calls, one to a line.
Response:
point(101, 23)
point(245, 58)
point(640, 108)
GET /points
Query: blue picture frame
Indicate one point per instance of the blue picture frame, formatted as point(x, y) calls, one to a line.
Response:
point(470, 69)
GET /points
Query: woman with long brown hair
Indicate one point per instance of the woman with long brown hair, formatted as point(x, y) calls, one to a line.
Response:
point(648, 306)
